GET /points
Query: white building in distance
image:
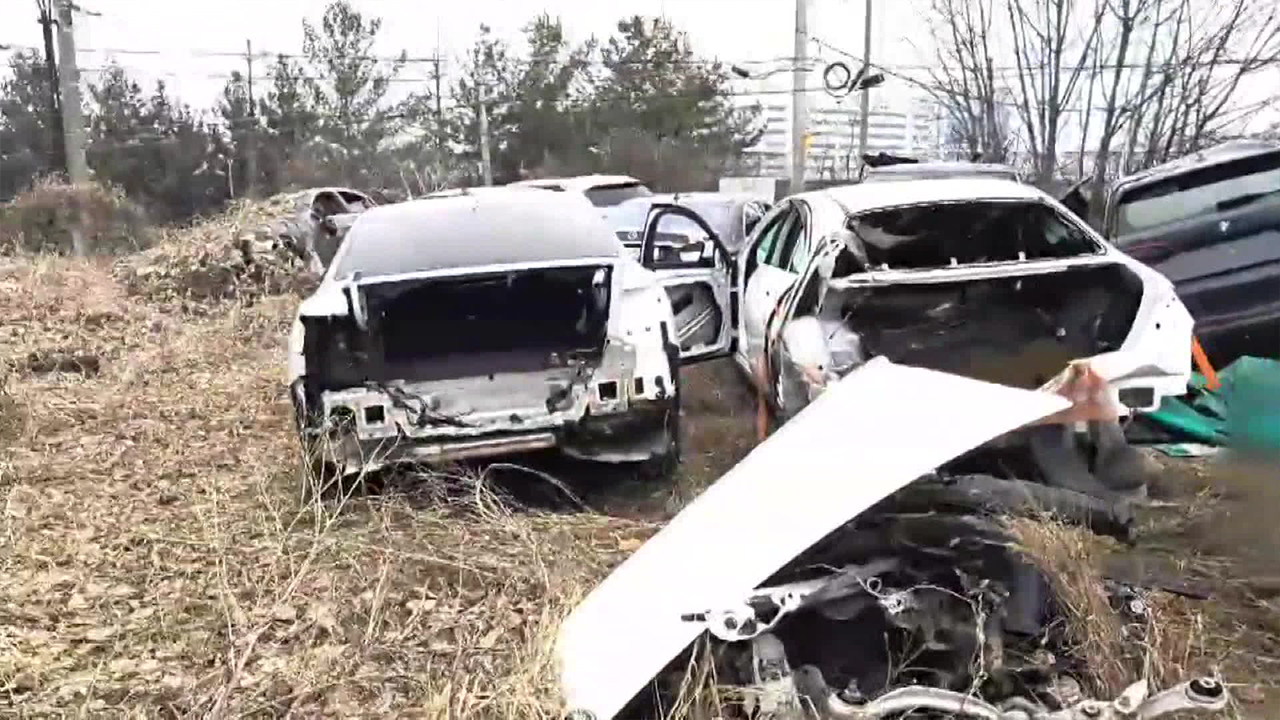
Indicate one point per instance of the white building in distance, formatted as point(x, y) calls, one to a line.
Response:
point(911, 126)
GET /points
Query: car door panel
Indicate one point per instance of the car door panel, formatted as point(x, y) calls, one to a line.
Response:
point(700, 284)
point(769, 280)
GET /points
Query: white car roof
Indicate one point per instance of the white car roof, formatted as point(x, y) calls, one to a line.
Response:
point(579, 182)
point(863, 197)
point(455, 230)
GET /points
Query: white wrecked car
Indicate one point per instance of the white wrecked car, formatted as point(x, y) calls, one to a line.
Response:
point(486, 322)
point(846, 569)
point(985, 278)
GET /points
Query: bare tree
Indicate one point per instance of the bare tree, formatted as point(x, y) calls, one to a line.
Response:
point(1048, 80)
point(1148, 80)
point(1122, 20)
point(1193, 83)
point(963, 81)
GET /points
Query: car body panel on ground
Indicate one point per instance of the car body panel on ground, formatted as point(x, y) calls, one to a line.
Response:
point(789, 492)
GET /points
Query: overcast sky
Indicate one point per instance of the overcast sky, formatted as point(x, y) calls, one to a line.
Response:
point(181, 33)
point(193, 44)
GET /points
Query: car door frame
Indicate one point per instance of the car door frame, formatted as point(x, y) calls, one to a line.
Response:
point(720, 274)
point(743, 356)
point(785, 312)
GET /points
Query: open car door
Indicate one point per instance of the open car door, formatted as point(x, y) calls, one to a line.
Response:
point(696, 270)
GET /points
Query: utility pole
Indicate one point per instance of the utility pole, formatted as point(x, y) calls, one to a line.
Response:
point(485, 168)
point(251, 134)
point(438, 128)
point(865, 112)
point(436, 64)
point(72, 120)
point(57, 152)
point(799, 114)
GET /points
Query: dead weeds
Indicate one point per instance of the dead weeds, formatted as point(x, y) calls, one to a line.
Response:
point(1233, 633)
point(155, 556)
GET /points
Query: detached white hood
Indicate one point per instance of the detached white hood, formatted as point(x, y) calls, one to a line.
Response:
point(868, 435)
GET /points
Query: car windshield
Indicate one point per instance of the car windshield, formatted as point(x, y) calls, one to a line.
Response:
point(717, 214)
point(958, 233)
point(609, 195)
point(1201, 192)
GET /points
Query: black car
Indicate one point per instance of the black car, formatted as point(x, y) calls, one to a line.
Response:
point(731, 216)
point(1210, 222)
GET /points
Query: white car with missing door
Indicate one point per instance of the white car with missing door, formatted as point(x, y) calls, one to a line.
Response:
point(487, 322)
point(985, 278)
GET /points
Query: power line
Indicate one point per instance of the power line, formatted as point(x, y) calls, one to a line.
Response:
point(424, 79)
point(427, 59)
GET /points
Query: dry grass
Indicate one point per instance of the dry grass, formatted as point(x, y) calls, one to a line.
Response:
point(239, 254)
point(1233, 635)
point(38, 220)
point(156, 556)
point(1072, 558)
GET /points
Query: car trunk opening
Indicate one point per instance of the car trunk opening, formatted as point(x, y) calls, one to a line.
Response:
point(465, 326)
point(1020, 330)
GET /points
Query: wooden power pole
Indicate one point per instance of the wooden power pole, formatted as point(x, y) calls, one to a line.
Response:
point(57, 151)
point(799, 111)
point(486, 169)
point(251, 132)
point(72, 119)
point(865, 111)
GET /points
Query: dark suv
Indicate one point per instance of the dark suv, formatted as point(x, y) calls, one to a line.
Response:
point(1210, 222)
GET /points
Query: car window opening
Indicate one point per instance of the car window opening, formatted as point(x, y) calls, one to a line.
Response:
point(966, 233)
point(1213, 189)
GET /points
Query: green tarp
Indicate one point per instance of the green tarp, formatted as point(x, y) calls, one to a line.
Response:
point(1243, 413)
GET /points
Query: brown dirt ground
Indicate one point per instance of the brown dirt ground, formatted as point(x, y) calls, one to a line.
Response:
point(155, 558)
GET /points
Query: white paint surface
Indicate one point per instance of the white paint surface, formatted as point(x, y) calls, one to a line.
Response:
point(871, 433)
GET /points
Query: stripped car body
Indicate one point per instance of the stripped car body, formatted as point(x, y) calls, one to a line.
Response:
point(838, 547)
point(934, 273)
point(483, 323)
point(319, 220)
point(984, 278)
